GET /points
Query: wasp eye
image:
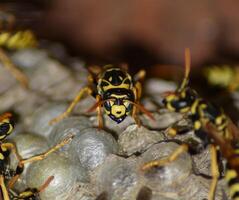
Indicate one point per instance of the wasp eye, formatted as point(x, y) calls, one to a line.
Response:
point(4, 128)
point(126, 103)
point(111, 102)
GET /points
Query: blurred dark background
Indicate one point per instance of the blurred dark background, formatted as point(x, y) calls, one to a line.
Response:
point(138, 31)
point(157, 30)
point(142, 33)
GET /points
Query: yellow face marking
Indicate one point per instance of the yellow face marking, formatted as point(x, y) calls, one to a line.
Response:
point(197, 125)
point(126, 103)
point(110, 78)
point(118, 110)
point(1, 156)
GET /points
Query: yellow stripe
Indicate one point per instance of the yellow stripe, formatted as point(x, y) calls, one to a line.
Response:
point(118, 96)
point(219, 119)
point(230, 174)
point(194, 106)
point(233, 189)
point(2, 136)
point(202, 106)
point(184, 110)
point(3, 148)
point(4, 37)
point(170, 107)
point(197, 125)
point(1, 156)
point(221, 127)
point(171, 97)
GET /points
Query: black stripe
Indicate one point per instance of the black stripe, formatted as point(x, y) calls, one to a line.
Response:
point(233, 181)
point(235, 195)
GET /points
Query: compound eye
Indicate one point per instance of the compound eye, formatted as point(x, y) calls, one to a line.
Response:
point(108, 104)
point(126, 104)
point(111, 102)
point(5, 128)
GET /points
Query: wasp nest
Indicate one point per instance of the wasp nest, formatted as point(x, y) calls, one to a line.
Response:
point(97, 164)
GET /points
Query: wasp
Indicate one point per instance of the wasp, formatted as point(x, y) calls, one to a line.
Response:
point(6, 128)
point(230, 151)
point(186, 101)
point(14, 40)
point(115, 90)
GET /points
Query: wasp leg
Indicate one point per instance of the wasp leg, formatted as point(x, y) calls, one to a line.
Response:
point(51, 150)
point(19, 75)
point(138, 78)
point(137, 91)
point(37, 158)
point(157, 163)
point(30, 193)
point(99, 113)
point(79, 96)
point(4, 189)
point(215, 172)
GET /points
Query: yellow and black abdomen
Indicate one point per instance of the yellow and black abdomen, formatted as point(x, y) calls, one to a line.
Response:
point(14, 39)
point(232, 179)
point(17, 40)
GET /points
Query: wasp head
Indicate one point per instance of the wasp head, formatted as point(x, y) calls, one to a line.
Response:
point(118, 104)
point(180, 101)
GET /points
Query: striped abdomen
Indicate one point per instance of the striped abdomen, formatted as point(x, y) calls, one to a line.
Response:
point(17, 40)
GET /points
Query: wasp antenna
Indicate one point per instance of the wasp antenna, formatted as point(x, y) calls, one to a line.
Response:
point(167, 93)
point(143, 110)
point(45, 185)
point(187, 69)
